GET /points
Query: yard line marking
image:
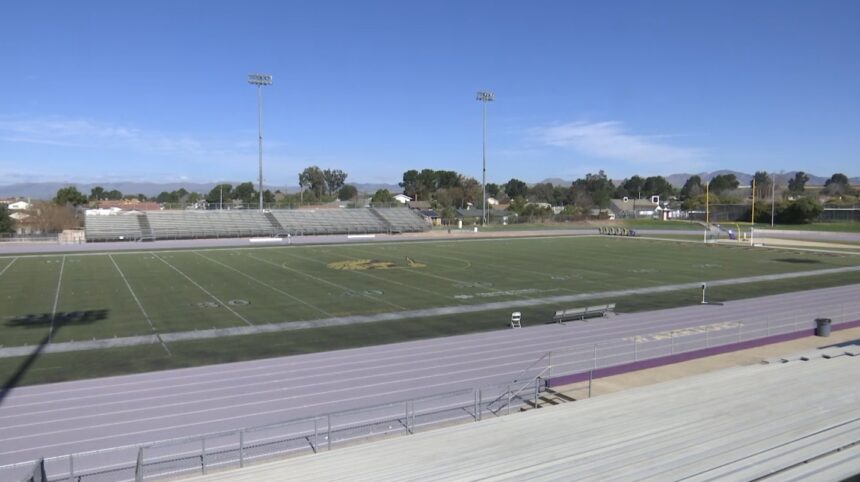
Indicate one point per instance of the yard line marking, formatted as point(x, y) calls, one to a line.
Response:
point(282, 266)
point(273, 288)
point(8, 265)
point(231, 310)
point(139, 305)
point(56, 300)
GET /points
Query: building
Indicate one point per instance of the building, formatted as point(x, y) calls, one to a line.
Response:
point(402, 198)
point(19, 206)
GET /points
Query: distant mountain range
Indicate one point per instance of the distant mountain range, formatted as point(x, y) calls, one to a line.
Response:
point(47, 190)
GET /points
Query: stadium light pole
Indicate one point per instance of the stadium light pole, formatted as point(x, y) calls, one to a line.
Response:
point(483, 97)
point(260, 80)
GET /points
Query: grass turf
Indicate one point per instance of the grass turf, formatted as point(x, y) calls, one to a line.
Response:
point(123, 294)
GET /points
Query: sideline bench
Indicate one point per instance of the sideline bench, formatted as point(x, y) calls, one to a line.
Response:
point(573, 314)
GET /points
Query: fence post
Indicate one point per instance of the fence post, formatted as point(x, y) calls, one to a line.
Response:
point(138, 468)
point(707, 338)
point(241, 448)
point(594, 365)
point(537, 384)
point(509, 399)
point(480, 402)
point(328, 436)
point(477, 406)
point(71, 467)
point(316, 435)
point(549, 364)
point(590, 379)
point(203, 454)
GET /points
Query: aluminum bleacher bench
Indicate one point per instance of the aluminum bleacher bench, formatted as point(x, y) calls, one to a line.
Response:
point(574, 314)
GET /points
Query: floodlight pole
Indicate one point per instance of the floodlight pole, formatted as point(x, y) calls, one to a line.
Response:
point(483, 97)
point(260, 80)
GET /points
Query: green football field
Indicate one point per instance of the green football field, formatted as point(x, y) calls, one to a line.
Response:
point(82, 297)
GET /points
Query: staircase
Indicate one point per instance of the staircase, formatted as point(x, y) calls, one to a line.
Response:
point(276, 225)
point(385, 222)
point(145, 228)
point(549, 397)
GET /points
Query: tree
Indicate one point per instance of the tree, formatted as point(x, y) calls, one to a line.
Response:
point(334, 179)
point(723, 183)
point(382, 196)
point(631, 187)
point(97, 193)
point(798, 184)
point(492, 189)
point(543, 192)
point(692, 188)
point(215, 195)
point(517, 205)
point(347, 192)
point(515, 188)
point(837, 185)
point(658, 186)
point(6, 222)
point(594, 189)
point(113, 195)
point(246, 193)
point(69, 196)
point(800, 211)
point(313, 178)
point(762, 184)
point(426, 184)
point(410, 184)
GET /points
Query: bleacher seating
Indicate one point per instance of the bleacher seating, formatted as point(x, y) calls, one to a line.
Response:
point(250, 223)
point(121, 227)
point(402, 220)
point(209, 224)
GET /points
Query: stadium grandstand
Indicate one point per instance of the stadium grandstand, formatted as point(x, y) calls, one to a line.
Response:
point(155, 225)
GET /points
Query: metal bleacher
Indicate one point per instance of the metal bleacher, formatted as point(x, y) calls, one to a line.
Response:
point(209, 224)
point(249, 223)
point(402, 220)
point(113, 228)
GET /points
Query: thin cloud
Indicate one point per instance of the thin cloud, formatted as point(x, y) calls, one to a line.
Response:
point(610, 140)
point(59, 131)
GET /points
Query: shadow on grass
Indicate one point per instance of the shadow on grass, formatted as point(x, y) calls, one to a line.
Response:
point(41, 320)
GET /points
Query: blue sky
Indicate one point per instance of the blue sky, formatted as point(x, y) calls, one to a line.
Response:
point(156, 91)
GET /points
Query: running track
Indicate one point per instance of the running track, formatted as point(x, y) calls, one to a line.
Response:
point(57, 419)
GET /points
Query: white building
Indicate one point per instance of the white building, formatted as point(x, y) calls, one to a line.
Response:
point(402, 198)
point(19, 206)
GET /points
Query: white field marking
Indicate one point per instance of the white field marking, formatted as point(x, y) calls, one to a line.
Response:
point(139, 305)
point(312, 245)
point(8, 265)
point(523, 359)
point(254, 414)
point(267, 285)
point(729, 282)
point(582, 347)
point(56, 300)
point(824, 295)
point(308, 275)
point(202, 289)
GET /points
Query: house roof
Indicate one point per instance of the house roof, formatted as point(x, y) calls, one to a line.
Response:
point(419, 204)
